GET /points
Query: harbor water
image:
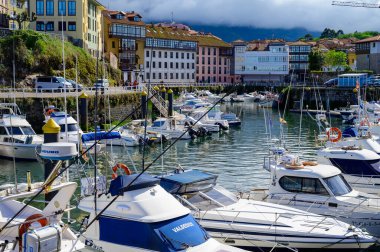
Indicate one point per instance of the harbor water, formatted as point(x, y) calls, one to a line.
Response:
point(236, 155)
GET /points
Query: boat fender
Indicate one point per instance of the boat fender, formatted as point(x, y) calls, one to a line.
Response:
point(334, 131)
point(294, 166)
point(309, 163)
point(31, 220)
point(120, 166)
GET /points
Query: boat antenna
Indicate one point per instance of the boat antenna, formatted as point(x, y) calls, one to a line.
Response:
point(14, 100)
point(146, 113)
point(301, 107)
point(64, 77)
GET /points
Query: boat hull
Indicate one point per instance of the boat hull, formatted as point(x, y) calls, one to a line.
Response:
point(18, 151)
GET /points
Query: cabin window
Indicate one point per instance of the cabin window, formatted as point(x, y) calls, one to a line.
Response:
point(70, 127)
point(338, 185)
point(302, 185)
point(14, 131)
point(158, 123)
point(3, 131)
point(28, 130)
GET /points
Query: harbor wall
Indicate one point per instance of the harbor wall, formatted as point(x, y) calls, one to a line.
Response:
point(120, 106)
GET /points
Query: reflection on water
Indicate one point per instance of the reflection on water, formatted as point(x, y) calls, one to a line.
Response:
point(236, 155)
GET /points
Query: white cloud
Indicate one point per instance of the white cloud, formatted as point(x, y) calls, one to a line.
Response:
point(310, 14)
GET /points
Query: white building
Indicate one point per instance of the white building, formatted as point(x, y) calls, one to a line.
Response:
point(261, 61)
point(169, 55)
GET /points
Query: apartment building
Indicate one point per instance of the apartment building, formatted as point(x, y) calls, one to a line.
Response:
point(299, 59)
point(80, 21)
point(213, 59)
point(4, 11)
point(124, 40)
point(261, 60)
point(368, 54)
point(170, 54)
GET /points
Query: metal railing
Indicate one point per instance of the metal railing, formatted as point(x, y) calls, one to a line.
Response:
point(157, 100)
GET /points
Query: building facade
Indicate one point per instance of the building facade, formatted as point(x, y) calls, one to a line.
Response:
point(368, 54)
point(80, 21)
point(298, 59)
point(124, 36)
point(259, 61)
point(213, 59)
point(169, 55)
point(4, 11)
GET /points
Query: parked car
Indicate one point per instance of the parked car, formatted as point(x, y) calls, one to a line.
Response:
point(52, 83)
point(331, 83)
point(76, 85)
point(101, 84)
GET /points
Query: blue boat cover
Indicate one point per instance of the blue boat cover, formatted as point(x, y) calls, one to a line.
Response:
point(58, 114)
point(350, 132)
point(100, 135)
point(121, 183)
point(177, 234)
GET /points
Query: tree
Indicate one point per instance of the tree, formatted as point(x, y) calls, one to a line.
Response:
point(315, 59)
point(308, 37)
point(334, 59)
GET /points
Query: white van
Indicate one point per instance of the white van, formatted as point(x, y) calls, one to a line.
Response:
point(52, 83)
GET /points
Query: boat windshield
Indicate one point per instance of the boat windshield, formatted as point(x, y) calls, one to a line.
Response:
point(70, 127)
point(158, 123)
point(338, 185)
point(216, 197)
point(28, 130)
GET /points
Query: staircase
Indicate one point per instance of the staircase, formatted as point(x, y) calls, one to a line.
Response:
point(157, 101)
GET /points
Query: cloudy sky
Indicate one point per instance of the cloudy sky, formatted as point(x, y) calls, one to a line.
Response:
point(313, 15)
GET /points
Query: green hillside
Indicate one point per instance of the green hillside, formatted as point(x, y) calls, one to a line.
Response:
point(39, 53)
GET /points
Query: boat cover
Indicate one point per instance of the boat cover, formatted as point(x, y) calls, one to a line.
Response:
point(100, 135)
point(188, 182)
point(350, 132)
point(121, 183)
point(177, 234)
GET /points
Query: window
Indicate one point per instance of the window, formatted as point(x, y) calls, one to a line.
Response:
point(171, 64)
point(61, 7)
point(50, 26)
point(208, 60)
point(176, 65)
point(302, 185)
point(14, 131)
point(203, 50)
point(171, 76)
point(192, 65)
point(165, 75)
point(182, 55)
point(61, 25)
point(176, 76)
point(154, 65)
point(176, 55)
point(40, 7)
point(147, 64)
point(40, 26)
point(188, 65)
point(73, 27)
point(159, 66)
point(154, 54)
point(188, 76)
point(203, 60)
point(147, 76)
point(49, 8)
point(208, 51)
point(188, 55)
point(182, 76)
point(3, 131)
point(338, 185)
point(159, 55)
point(166, 55)
point(154, 75)
point(171, 55)
point(182, 65)
point(165, 66)
point(373, 44)
point(147, 54)
point(159, 75)
point(72, 8)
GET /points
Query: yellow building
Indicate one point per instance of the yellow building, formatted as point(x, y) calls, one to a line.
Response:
point(124, 36)
point(351, 58)
point(80, 21)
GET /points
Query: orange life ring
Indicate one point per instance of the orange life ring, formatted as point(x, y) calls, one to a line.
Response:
point(120, 166)
point(43, 221)
point(334, 131)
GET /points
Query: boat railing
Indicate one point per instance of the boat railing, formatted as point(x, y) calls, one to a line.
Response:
point(350, 203)
point(186, 202)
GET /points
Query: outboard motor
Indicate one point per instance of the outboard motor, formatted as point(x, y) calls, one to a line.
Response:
point(192, 133)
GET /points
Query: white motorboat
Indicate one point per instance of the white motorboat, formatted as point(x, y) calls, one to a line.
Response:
point(188, 120)
point(17, 137)
point(144, 217)
point(169, 127)
point(61, 118)
point(320, 189)
point(36, 229)
point(202, 115)
point(360, 167)
point(236, 98)
point(249, 224)
point(354, 137)
point(208, 96)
